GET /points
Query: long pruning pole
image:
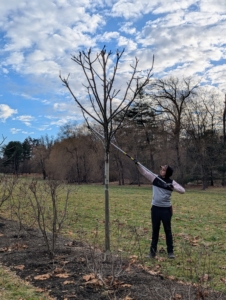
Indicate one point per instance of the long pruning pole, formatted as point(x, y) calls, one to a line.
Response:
point(132, 158)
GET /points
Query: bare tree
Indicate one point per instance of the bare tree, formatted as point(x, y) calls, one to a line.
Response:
point(41, 152)
point(107, 101)
point(224, 122)
point(76, 156)
point(171, 97)
point(3, 139)
point(223, 167)
point(203, 143)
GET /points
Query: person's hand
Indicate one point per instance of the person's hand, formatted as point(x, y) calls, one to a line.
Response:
point(170, 186)
point(135, 161)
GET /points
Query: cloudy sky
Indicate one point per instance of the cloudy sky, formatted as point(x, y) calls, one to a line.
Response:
point(37, 38)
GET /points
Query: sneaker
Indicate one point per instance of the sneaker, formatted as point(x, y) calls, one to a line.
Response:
point(151, 255)
point(171, 255)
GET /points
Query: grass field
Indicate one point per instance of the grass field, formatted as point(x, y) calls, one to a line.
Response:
point(198, 224)
point(12, 288)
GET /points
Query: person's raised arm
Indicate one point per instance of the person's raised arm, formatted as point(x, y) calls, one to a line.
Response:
point(149, 175)
point(177, 187)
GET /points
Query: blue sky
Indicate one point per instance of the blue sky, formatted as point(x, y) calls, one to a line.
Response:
point(37, 39)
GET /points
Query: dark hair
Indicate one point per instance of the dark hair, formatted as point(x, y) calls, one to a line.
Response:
point(169, 172)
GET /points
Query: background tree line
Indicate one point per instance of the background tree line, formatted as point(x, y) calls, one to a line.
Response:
point(173, 121)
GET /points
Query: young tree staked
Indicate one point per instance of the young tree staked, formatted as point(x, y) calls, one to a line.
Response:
point(108, 97)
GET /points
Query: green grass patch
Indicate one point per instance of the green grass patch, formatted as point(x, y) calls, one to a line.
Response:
point(13, 288)
point(198, 225)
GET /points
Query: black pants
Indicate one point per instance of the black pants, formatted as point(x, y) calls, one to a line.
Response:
point(164, 215)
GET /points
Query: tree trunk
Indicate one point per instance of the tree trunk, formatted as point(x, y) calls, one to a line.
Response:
point(85, 177)
point(224, 122)
point(119, 171)
point(211, 178)
point(152, 162)
point(107, 210)
point(180, 167)
point(204, 178)
point(223, 179)
point(122, 172)
point(44, 174)
point(138, 178)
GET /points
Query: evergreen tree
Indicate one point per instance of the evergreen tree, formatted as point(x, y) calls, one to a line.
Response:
point(13, 155)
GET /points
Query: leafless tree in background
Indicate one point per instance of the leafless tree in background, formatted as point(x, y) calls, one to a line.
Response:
point(171, 96)
point(203, 140)
point(41, 153)
point(76, 158)
point(3, 139)
point(224, 122)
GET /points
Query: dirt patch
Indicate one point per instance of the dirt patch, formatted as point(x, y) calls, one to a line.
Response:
point(80, 272)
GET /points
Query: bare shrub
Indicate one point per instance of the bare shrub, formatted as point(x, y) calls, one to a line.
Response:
point(7, 185)
point(48, 215)
point(108, 273)
point(19, 207)
point(49, 202)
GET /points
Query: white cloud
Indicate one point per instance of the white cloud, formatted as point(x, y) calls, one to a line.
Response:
point(39, 37)
point(185, 42)
point(49, 67)
point(15, 130)
point(171, 6)
point(64, 118)
point(46, 102)
point(128, 28)
point(217, 75)
point(213, 6)
point(15, 59)
point(131, 9)
point(129, 44)
point(44, 127)
point(107, 36)
point(25, 119)
point(6, 112)
point(62, 121)
point(60, 106)
point(5, 71)
point(26, 96)
point(61, 27)
point(27, 132)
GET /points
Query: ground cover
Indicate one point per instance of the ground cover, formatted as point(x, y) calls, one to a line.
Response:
point(198, 226)
point(78, 271)
point(12, 288)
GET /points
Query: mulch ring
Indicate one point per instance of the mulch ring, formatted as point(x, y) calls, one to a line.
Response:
point(78, 271)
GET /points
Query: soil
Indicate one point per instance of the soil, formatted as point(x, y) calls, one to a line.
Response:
point(77, 271)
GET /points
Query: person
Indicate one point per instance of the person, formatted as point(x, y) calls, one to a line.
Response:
point(161, 210)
